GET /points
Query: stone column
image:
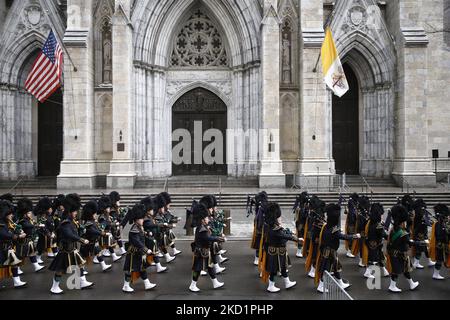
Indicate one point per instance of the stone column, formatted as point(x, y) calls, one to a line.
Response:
point(412, 162)
point(122, 169)
point(78, 169)
point(316, 164)
point(271, 174)
point(3, 14)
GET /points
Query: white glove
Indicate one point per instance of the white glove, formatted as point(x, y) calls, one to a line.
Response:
point(149, 252)
point(358, 236)
point(427, 241)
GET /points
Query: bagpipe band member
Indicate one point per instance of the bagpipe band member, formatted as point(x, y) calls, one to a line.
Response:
point(373, 255)
point(45, 229)
point(261, 200)
point(9, 233)
point(219, 223)
point(329, 242)
point(118, 213)
point(201, 248)
point(317, 217)
point(25, 248)
point(208, 203)
point(92, 233)
point(350, 222)
point(163, 239)
point(171, 220)
point(301, 209)
point(408, 202)
point(419, 233)
point(110, 225)
point(361, 221)
point(68, 239)
point(58, 211)
point(440, 240)
point(398, 260)
point(136, 262)
point(276, 258)
point(152, 229)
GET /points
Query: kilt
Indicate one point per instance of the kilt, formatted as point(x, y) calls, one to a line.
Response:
point(202, 259)
point(135, 261)
point(65, 260)
point(25, 248)
point(277, 259)
point(400, 262)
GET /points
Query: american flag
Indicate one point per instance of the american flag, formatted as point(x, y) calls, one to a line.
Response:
point(45, 76)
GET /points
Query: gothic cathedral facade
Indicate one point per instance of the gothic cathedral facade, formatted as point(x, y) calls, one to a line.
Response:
point(137, 71)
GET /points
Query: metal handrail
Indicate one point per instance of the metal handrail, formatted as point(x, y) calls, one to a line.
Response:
point(344, 184)
point(408, 185)
point(332, 289)
point(166, 185)
point(306, 179)
point(19, 181)
point(220, 190)
point(368, 187)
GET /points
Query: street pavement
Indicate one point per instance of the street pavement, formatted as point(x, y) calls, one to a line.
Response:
point(241, 282)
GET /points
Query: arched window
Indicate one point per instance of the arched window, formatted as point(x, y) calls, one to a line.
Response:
point(199, 44)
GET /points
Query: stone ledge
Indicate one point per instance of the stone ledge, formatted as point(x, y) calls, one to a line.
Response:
point(415, 37)
point(76, 38)
point(313, 38)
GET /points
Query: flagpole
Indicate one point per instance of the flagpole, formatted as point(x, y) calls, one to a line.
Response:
point(327, 23)
point(61, 43)
point(75, 69)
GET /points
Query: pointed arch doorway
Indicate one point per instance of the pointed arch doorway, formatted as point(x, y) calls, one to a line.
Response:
point(200, 108)
point(346, 127)
point(50, 135)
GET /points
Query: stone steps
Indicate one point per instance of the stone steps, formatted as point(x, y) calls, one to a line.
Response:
point(238, 200)
point(358, 182)
point(196, 182)
point(37, 183)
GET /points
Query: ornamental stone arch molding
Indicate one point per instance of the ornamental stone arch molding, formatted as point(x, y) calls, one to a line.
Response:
point(364, 43)
point(239, 21)
point(222, 90)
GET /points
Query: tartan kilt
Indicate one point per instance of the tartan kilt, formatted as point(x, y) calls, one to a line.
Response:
point(277, 259)
point(135, 262)
point(44, 243)
point(64, 260)
point(401, 263)
point(89, 250)
point(202, 259)
point(25, 248)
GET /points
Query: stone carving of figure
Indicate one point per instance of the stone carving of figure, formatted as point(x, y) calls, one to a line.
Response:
point(286, 59)
point(107, 54)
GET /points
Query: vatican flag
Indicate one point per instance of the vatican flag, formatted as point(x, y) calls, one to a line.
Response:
point(332, 67)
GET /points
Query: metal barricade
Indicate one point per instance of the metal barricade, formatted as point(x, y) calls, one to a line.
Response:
point(332, 289)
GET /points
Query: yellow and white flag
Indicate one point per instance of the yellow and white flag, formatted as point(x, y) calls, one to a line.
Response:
point(332, 67)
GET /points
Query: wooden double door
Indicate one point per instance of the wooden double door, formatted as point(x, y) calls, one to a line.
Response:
point(203, 109)
point(50, 135)
point(346, 127)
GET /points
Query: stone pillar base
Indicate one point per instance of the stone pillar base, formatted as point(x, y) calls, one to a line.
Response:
point(315, 182)
point(122, 175)
point(416, 181)
point(77, 175)
point(272, 181)
point(120, 182)
point(415, 172)
point(73, 182)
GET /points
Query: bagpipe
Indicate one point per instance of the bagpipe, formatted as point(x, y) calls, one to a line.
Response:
point(316, 217)
point(12, 259)
point(287, 232)
point(251, 204)
point(190, 223)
